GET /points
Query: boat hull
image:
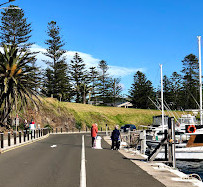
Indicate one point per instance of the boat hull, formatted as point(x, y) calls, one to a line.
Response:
point(187, 153)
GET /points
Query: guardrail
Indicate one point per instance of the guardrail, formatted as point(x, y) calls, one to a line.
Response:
point(13, 138)
point(7, 140)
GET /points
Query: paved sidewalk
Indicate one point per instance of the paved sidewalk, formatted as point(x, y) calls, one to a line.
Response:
point(166, 175)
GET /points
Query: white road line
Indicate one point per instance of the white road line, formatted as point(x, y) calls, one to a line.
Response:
point(83, 168)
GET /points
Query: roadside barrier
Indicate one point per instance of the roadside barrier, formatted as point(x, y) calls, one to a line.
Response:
point(8, 139)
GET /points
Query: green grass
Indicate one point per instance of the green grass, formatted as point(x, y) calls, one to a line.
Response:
point(86, 115)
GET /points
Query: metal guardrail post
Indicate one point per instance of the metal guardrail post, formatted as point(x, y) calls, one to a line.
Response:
point(24, 133)
point(9, 139)
point(31, 134)
point(2, 140)
point(61, 130)
point(34, 134)
point(19, 136)
point(56, 130)
point(28, 137)
point(52, 130)
point(14, 134)
point(86, 129)
point(39, 132)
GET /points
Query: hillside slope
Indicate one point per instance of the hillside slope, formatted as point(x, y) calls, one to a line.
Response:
point(74, 115)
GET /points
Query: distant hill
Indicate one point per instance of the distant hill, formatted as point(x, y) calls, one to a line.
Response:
point(74, 115)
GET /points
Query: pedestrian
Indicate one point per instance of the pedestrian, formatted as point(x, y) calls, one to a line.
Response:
point(94, 131)
point(32, 126)
point(115, 138)
point(26, 126)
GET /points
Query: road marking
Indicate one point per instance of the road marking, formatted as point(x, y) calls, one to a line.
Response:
point(83, 168)
point(53, 146)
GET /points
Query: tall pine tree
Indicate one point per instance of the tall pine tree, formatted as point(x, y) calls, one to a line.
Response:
point(104, 82)
point(115, 90)
point(190, 81)
point(57, 81)
point(140, 90)
point(14, 29)
point(93, 76)
point(79, 78)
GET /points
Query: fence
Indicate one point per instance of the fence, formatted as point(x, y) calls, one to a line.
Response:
point(21, 137)
point(9, 139)
point(131, 138)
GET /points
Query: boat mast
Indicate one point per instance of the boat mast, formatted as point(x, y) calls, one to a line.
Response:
point(162, 99)
point(200, 77)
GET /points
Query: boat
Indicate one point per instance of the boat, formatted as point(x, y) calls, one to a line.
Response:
point(193, 150)
point(187, 126)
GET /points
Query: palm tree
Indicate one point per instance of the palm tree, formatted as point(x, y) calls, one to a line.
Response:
point(17, 80)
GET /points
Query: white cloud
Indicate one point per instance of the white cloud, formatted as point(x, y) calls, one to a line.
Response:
point(89, 60)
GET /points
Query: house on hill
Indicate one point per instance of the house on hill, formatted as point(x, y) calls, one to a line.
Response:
point(125, 105)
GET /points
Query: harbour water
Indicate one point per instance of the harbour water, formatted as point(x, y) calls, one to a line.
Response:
point(191, 167)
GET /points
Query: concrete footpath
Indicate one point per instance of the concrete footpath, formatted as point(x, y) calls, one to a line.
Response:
point(166, 175)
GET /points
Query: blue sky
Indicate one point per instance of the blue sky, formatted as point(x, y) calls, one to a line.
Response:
point(129, 35)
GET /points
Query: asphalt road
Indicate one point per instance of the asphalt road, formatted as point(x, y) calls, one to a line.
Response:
point(40, 165)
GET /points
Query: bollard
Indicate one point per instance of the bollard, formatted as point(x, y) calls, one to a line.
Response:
point(9, 139)
point(2, 140)
point(24, 133)
point(34, 134)
point(56, 130)
point(28, 137)
point(19, 136)
point(101, 129)
point(52, 130)
point(79, 129)
point(31, 134)
point(143, 141)
point(14, 134)
point(49, 131)
point(39, 132)
point(61, 130)
point(86, 129)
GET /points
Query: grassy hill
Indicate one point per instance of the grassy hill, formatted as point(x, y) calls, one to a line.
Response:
point(71, 116)
point(74, 115)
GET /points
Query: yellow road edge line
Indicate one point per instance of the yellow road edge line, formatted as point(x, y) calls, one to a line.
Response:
point(17, 146)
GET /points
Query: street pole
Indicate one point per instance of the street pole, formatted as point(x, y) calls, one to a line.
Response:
point(200, 78)
point(162, 98)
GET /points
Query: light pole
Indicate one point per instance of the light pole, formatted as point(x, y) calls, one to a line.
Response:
point(7, 2)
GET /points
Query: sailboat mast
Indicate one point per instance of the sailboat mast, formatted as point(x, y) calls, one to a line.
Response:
point(162, 99)
point(200, 78)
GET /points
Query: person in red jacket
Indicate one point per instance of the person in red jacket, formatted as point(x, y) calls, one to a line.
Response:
point(94, 131)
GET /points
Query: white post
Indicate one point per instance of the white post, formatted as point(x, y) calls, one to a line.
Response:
point(162, 98)
point(200, 77)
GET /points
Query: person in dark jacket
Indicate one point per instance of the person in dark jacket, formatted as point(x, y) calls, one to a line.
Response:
point(115, 138)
